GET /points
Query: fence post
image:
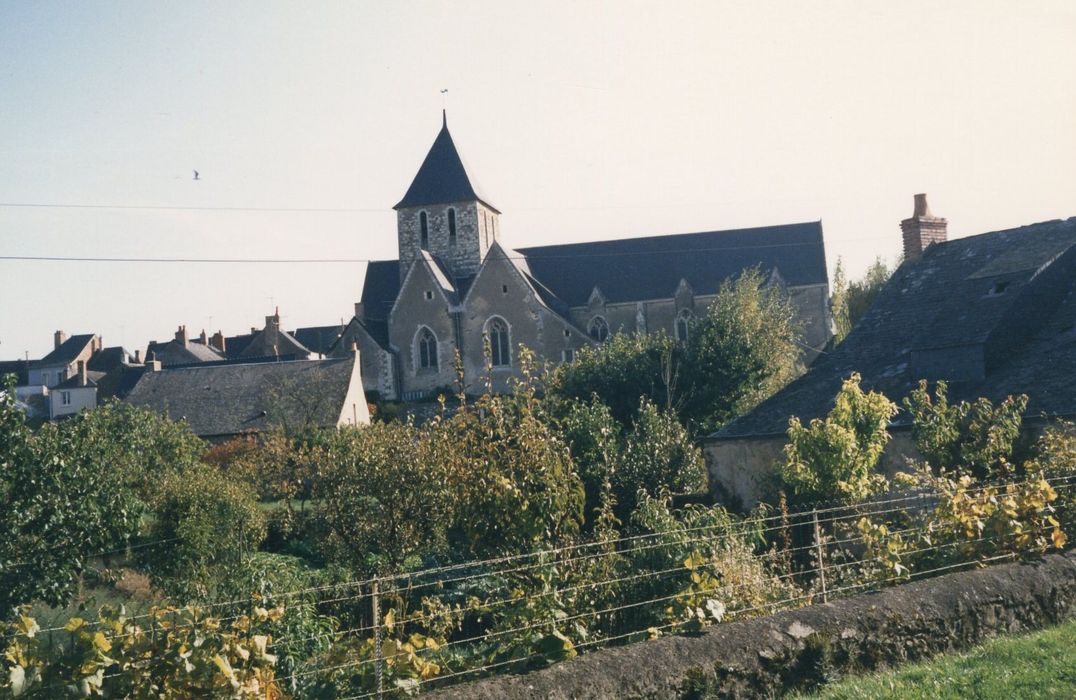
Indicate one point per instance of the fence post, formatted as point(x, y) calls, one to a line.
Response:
point(818, 554)
point(375, 605)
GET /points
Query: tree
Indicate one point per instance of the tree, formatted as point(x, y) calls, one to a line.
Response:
point(835, 458)
point(862, 292)
point(511, 476)
point(977, 438)
point(57, 508)
point(384, 498)
point(621, 370)
point(838, 304)
point(744, 349)
point(658, 459)
point(212, 524)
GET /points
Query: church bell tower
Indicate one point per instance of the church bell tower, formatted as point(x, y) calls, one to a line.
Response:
point(443, 213)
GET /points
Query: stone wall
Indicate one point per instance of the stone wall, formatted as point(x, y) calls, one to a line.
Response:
point(796, 650)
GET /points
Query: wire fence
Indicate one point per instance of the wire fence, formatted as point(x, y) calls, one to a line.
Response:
point(463, 620)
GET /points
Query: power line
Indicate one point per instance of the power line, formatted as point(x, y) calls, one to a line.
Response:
point(571, 255)
point(165, 207)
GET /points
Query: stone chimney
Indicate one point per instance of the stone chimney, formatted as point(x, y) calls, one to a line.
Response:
point(217, 342)
point(138, 357)
point(202, 338)
point(58, 339)
point(922, 230)
point(181, 336)
point(272, 330)
point(360, 311)
point(81, 373)
point(152, 363)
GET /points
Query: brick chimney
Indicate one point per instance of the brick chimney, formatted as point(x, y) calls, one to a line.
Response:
point(922, 230)
point(360, 311)
point(138, 357)
point(202, 338)
point(58, 339)
point(81, 373)
point(181, 336)
point(217, 342)
point(272, 331)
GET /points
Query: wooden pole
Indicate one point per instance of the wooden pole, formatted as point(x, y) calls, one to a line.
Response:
point(818, 554)
point(375, 604)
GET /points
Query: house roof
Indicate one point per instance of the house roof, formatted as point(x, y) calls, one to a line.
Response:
point(319, 339)
point(442, 178)
point(20, 368)
point(636, 269)
point(229, 399)
point(1010, 293)
point(119, 381)
point(174, 352)
point(73, 382)
point(68, 351)
point(107, 359)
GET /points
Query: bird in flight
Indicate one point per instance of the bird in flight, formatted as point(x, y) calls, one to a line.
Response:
point(196, 175)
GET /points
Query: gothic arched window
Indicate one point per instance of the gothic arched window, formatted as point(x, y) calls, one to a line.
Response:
point(451, 226)
point(499, 346)
point(683, 325)
point(424, 231)
point(598, 329)
point(427, 349)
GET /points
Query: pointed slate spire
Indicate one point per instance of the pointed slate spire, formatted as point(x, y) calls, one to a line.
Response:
point(442, 177)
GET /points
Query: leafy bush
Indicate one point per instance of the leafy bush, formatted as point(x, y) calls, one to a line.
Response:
point(179, 653)
point(619, 371)
point(976, 438)
point(739, 353)
point(510, 475)
point(384, 497)
point(211, 524)
point(658, 458)
point(835, 457)
point(58, 504)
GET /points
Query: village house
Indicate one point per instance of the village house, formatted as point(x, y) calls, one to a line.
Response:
point(993, 315)
point(221, 400)
point(458, 287)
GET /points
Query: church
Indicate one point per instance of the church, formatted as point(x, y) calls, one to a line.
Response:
point(458, 286)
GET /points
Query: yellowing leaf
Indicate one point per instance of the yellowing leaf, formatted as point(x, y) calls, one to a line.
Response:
point(100, 642)
point(74, 623)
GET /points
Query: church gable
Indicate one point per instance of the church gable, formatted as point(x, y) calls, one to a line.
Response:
point(422, 329)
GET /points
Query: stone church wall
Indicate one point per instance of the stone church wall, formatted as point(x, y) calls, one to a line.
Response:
point(422, 303)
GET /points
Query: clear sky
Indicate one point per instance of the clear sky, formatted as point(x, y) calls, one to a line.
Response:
point(579, 120)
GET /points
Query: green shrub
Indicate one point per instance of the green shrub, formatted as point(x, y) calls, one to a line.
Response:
point(976, 438)
point(210, 523)
point(835, 458)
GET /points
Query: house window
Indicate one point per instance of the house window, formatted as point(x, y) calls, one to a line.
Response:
point(567, 333)
point(567, 355)
point(65, 398)
point(427, 349)
point(429, 295)
point(504, 289)
point(683, 325)
point(598, 329)
point(451, 226)
point(424, 231)
point(497, 331)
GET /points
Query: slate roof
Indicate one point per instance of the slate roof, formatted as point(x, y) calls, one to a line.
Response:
point(20, 368)
point(442, 178)
point(229, 399)
point(72, 382)
point(380, 288)
point(320, 339)
point(119, 382)
point(1013, 291)
point(234, 345)
point(636, 269)
point(107, 359)
point(68, 351)
point(173, 352)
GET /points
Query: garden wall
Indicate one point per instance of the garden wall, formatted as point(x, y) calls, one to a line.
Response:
point(799, 648)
